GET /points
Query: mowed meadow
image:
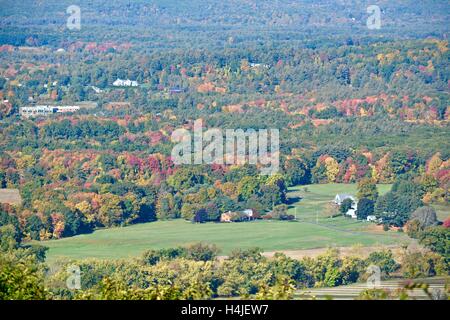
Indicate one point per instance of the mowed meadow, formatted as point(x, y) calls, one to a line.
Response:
point(314, 228)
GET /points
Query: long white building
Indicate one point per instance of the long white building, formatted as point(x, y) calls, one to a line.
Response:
point(36, 111)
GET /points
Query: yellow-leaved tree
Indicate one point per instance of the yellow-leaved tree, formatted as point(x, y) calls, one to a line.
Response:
point(332, 169)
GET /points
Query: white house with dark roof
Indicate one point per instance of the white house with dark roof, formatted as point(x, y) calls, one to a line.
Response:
point(343, 196)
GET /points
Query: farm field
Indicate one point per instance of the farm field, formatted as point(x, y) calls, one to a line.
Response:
point(351, 292)
point(312, 202)
point(309, 232)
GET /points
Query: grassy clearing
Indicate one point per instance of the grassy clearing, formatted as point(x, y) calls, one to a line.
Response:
point(268, 235)
point(442, 211)
point(10, 196)
point(312, 201)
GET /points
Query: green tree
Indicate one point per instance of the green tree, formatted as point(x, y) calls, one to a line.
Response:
point(423, 264)
point(297, 172)
point(21, 278)
point(184, 178)
point(384, 260)
point(414, 228)
point(111, 212)
point(346, 205)
point(438, 240)
point(283, 289)
point(7, 219)
point(33, 227)
point(166, 207)
point(8, 238)
point(366, 207)
point(248, 186)
point(282, 265)
point(188, 211)
point(367, 189)
point(201, 252)
point(200, 215)
point(396, 208)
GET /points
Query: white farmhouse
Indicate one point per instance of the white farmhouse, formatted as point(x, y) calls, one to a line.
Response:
point(249, 213)
point(352, 211)
point(341, 197)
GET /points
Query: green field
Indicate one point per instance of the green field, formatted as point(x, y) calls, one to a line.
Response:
point(312, 230)
point(311, 201)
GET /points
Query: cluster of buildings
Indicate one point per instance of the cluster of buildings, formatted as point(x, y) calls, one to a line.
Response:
point(343, 196)
point(248, 214)
point(45, 110)
point(125, 83)
point(354, 208)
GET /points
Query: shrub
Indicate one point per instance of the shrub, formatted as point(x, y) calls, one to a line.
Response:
point(152, 257)
point(366, 208)
point(384, 260)
point(201, 252)
point(420, 264)
point(346, 205)
point(437, 239)
point(425, 215)
point(414, 228)
point(280, 213)
point(21, 278)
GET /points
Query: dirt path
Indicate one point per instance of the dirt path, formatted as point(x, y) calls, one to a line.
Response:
point(345, 251)
point(359, 251)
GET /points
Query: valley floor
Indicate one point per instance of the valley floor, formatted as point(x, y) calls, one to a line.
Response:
point(313, 230)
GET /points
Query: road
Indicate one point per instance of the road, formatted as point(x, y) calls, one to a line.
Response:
point(350, 292)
